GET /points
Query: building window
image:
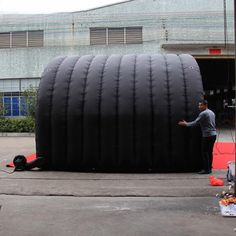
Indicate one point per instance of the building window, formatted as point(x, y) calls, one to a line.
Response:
point(7, 106)
point(97, 36)
point(20, 39)
point(35, 38)
point(14, 106)
point(4, 40)
point(13, 93)
point(134, 35)
point(118, 35)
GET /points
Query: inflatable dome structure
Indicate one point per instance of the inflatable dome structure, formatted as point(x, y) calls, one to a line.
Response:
point(119, 113)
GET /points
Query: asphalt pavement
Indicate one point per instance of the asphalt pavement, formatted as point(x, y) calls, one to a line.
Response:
point(67, 203)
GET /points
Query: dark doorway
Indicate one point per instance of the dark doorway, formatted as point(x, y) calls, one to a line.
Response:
point(218, 77)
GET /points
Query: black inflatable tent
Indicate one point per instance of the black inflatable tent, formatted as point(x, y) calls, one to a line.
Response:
point(119, 113)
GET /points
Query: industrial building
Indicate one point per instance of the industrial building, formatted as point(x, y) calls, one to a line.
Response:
point(201, 28)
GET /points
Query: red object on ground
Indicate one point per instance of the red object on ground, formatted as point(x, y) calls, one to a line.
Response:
point(28, 158)
point(216, 181)
point(222, 153)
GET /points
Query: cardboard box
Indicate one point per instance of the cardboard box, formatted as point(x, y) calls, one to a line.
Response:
point(229, 210)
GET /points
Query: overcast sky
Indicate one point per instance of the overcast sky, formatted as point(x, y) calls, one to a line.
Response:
point(49, 6)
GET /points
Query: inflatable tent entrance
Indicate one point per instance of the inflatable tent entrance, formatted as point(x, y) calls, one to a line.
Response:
point(119, 113)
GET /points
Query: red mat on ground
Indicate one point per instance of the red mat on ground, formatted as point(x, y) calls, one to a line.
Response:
point(223, 152)
point(29, 159)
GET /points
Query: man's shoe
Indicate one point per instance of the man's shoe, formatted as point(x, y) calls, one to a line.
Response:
point(203, 172)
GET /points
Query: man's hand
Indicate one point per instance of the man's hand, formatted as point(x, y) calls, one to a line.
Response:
point(182, 123)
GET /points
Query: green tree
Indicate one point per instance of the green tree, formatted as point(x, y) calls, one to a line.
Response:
point(30, 96)
point(2, 110)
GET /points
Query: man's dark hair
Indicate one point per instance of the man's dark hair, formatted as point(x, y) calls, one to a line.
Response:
point(204, 102)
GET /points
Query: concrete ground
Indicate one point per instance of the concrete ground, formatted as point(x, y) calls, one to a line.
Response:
point(67, 204)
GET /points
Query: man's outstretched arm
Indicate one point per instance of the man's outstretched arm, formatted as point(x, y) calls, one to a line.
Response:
point(192, 123)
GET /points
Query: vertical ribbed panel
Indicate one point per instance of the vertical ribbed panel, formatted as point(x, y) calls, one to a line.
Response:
point(75, 113)
point(44, 108)
point(119, 113)
point(109, 112)
point(91, 149)
point(143, 113)
point(59, 111)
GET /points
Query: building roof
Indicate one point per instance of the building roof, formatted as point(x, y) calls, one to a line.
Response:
point(108, 5)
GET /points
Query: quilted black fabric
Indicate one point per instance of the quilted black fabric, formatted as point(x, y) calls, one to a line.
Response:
point(119, 113)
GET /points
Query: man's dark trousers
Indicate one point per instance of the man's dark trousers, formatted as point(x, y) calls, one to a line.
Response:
point(207, 150)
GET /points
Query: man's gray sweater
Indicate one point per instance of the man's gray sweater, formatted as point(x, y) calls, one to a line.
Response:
point(206, 120)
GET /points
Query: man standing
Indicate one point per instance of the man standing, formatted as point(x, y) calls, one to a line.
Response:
point(206, 120)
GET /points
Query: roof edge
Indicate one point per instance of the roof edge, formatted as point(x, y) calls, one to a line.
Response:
point(109, 5)
point(69, 12)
